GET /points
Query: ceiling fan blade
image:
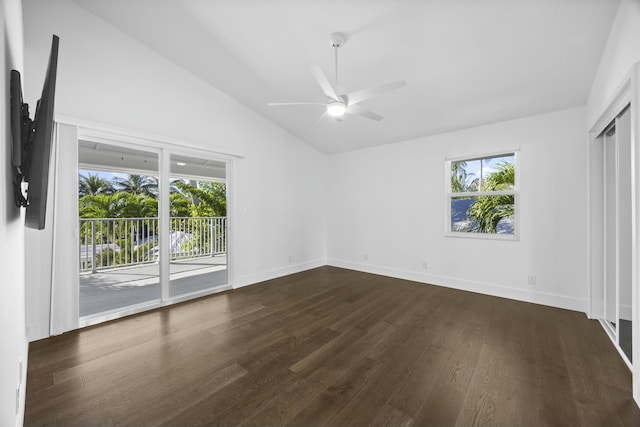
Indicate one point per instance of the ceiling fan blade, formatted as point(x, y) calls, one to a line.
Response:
point(324, 83)
point(364, 94)
point(357, 110)
point(320, 119)
point(281, 104)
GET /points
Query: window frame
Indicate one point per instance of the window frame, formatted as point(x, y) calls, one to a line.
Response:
point(449, 195)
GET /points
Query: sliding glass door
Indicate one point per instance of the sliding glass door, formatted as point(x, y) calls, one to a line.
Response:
point(198, 229)
point(118, 228)
point(135, 254)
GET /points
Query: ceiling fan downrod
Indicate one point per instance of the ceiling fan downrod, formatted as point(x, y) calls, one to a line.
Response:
point(337, 40)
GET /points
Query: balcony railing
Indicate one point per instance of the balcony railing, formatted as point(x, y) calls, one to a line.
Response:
point(118, 242)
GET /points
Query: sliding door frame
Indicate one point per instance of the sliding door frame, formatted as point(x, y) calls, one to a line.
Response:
point(164, 150)
point(627, 93)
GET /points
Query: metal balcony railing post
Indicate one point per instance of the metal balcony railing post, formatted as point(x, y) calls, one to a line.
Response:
point(93, 247)
point(212, 237)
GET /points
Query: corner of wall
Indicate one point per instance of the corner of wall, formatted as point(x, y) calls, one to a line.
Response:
point(255, 278)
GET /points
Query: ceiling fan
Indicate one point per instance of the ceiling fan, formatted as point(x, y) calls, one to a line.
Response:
point(339, 103)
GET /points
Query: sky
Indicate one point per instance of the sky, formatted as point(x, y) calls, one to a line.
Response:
point(489, 165)
point(109, 176)
point(102, 174)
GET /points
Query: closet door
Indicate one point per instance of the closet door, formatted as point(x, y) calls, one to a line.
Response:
point(617, 293)
point(623, 143)
point(610, 226)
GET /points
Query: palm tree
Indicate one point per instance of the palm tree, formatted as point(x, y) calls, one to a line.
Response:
point(93, 185)
point(139, 206)
point(179, 205)
point(173, 186)
point(102, 205)
point(138, 184)
point(207, 198)
point(488, 211)
point(461, 180)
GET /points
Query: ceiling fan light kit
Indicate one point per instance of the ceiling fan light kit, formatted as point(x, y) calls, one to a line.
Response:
point(336, 109)
point(339, 104)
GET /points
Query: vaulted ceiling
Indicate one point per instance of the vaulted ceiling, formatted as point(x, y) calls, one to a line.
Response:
point(466, 62)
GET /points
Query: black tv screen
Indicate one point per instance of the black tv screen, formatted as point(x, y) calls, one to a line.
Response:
point(36, 169)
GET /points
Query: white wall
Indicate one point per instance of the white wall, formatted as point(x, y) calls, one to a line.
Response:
point(389, 203)
point(621, 52)
point(106, 76)
point(12, 303)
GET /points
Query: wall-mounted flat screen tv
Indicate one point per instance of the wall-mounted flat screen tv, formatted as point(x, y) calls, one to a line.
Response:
point(31, 143)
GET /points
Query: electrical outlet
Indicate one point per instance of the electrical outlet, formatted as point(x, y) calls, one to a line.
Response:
point(365, 257)
point(531, 280)
point(290, 258)
point(425, 265)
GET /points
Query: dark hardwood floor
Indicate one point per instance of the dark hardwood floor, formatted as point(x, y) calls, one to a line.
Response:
point(334, 347)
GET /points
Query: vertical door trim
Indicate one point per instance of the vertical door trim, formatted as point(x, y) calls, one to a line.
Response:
point(164, 222)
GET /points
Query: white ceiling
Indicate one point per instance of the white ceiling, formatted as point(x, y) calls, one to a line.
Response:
point(466, 62)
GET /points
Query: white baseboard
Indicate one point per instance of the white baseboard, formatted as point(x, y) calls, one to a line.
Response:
point(552, 300)
point(39, 331)
point(252, 279)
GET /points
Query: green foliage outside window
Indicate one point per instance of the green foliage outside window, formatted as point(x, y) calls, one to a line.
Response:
point(136, 197)
point(482, 195)
point(488, 211)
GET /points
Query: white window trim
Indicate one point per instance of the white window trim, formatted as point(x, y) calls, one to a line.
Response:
point(515, 192)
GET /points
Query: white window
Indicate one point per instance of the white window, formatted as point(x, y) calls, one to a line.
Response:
point(482, 196)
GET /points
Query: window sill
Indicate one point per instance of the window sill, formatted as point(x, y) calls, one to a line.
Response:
point(482, 236)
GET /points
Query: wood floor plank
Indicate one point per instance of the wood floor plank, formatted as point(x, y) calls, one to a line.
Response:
point(320, 411)
point(557, 403)
point(481, 402)
point(519, 392)
point(444, 404)
point(442, 407)
point(235, 403)
point(398, 365)
point(410, 395)
point(246, 395)
point(583, 377)
point(134, 412)
point(336, 347)
point(287, 402)
point(311, 361)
